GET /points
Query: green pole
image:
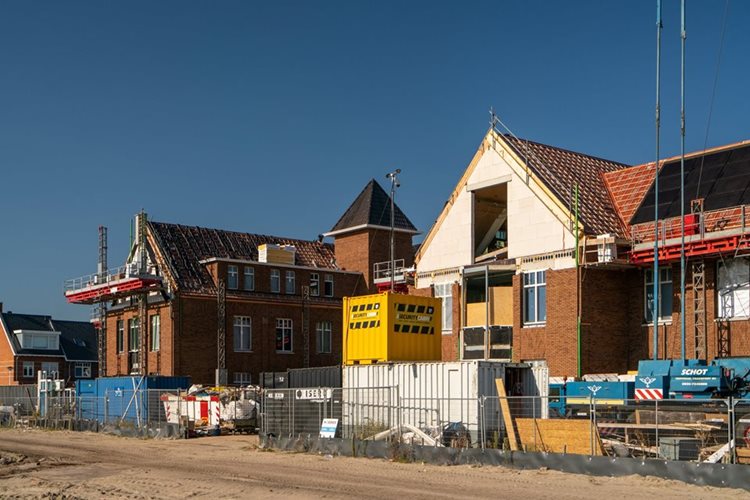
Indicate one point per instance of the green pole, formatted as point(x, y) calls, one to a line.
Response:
point(578, 286)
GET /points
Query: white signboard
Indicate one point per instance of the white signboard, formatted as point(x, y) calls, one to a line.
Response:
point(318, 393)
point(328, 427)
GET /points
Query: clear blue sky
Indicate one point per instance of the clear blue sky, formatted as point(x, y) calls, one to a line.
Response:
point(270, 117)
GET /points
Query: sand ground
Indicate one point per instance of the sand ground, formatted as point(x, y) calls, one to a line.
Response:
point(60, 464)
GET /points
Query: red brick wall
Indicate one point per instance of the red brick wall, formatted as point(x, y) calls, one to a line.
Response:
point(669, 334)
point(360, 250)
point(189, 327)
point(606, 322)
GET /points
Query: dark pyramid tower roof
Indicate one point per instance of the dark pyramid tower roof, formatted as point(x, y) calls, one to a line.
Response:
point(372, 208)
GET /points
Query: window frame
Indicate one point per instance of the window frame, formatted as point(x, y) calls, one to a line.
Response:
point(24, 366)
point(284, 326)
point(248, 277)
point(275, 278)
point(444, 292)
point(154, 338)
point(134, 344)
point(731, 292)
point(82, 366)
point(649, 286)
point(242, 326)
point(242, 378)
point(233, 277)
point(120, 336)
point(49, 364)
point(328, 279)
point(323, 330)
point(290, 282)
point(314, 284)
point(531, 286)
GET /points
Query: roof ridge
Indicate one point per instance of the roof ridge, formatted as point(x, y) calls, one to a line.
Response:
point(259, 235)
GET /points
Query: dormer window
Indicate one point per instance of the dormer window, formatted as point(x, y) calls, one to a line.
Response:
point(34, 339)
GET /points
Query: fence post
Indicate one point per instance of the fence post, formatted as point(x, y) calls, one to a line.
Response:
point(656, 420)
point(483, 406)
point(592, 423)
point(731, 430)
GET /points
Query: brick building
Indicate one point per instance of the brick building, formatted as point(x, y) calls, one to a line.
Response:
point(502, 256)
point(244, 303)
point(30, 343)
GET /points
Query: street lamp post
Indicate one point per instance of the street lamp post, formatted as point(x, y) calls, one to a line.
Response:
point(394, 185)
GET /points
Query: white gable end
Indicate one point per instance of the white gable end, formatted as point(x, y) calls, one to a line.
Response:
point(536, 223)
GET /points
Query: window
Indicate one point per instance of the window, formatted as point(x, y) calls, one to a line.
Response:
point(45, 341)
point(328, 291)
point(83, 370)
point(243, 334)
point(155, 332)
point(534, 297)
point(733, 288)
point(665, 295)
point(242, 378)
point(323, 335)
point(28, 369)
point(314, 284)
point(51, 369)
point(283, 335)
point(134, 342)
point(120, 336)
point(444, 291)
point(275, 281)
point(249, 283)
point(232, 277)
point(290, 285)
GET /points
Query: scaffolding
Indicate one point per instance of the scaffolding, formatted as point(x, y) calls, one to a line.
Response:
point(132, 280)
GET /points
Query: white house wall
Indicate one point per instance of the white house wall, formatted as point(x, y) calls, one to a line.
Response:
point(535, 222)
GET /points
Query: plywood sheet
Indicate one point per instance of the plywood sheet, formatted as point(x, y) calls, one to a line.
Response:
point(507, 417)
point(559, 436)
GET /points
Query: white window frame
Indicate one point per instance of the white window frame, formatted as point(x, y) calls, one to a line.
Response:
point(120, 336)
point(733, 290)
point(314, 284)
point(248, 283)
point(275, 281)
point(290, 283)
point(82, 370)
point(328, 280)
point(242, 378)
point(134, 338)
point(284, 327)
point(532, 282)
point(51, 367)
point(444, 292)
point(323, 336)
point(155, 336)
point(28, 369)
point(665, 277)
point(233, 277)
point(242, 334)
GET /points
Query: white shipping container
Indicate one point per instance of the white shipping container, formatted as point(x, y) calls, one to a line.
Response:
point(431, 395)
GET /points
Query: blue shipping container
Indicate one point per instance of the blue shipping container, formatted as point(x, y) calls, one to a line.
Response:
point(132, 398)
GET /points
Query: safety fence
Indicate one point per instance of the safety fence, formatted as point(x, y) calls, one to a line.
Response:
point(712, 430)
point(141, 413)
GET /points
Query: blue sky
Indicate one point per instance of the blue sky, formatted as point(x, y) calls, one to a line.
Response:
point(270, 117)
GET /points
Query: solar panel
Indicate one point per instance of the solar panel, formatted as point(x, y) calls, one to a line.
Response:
point(723, 181)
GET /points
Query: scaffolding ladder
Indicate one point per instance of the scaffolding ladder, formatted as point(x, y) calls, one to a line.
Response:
point(698, 272)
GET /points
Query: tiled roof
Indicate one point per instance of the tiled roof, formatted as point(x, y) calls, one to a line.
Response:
point(561, 169)
point(71, 332)
point(185, 246)
point(627, 188)
point(78, 340)
point(373, 207)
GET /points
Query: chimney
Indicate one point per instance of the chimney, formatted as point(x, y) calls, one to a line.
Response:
point(1, 307)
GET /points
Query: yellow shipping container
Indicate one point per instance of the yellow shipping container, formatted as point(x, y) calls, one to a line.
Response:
point(391, 327)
